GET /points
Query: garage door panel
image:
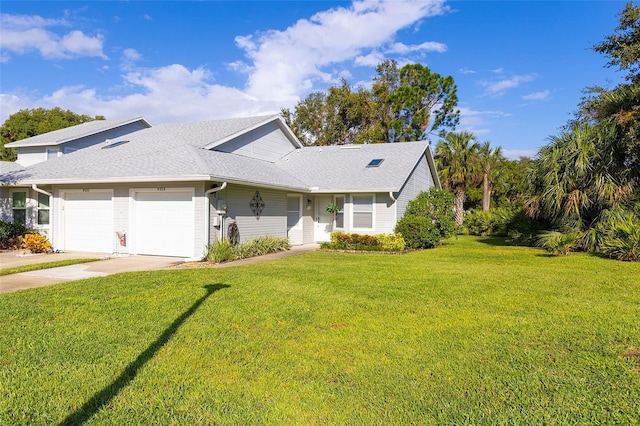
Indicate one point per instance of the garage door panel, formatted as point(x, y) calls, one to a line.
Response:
point(164, 223)
point(88, 221)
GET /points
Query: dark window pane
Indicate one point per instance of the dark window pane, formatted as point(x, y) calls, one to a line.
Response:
point(43, 217)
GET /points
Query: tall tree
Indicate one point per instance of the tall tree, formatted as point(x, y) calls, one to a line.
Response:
point(489, 161)
point(424, 102)
point(403, 105)
point(457, 157)
point(623, 47)
point(27, 123)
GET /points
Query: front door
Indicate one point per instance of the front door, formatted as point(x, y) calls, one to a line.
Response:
point(324, 220)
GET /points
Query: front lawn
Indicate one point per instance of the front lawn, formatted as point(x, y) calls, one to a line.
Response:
point(469, 333)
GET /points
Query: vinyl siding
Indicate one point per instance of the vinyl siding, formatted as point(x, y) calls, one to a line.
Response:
point(32, 155)
point(267, 143)
point(272, 221)
point(5, 204)
point(419, 180)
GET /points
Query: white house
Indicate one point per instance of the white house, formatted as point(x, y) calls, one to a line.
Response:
point(129, 187)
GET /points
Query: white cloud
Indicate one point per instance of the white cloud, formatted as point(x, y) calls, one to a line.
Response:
point(477, 122)
point(281, 67)
point(466, 70)
point(516, 154)
point(20, 34)
point(498, 88)
point(287, 63)
point(538, 96)
point(429, 46)
point(370, 60)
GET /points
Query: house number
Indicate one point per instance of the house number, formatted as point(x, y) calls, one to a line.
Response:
point(161, 189)
point(85, 190)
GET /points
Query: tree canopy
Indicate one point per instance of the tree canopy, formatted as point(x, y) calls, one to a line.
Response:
point(27, 123)
point(404, 104)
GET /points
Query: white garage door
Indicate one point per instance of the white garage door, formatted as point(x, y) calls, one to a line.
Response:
point(88, 221)
point(164, 223)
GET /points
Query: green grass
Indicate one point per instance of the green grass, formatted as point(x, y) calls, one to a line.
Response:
point(45, 265)
point(469, 333)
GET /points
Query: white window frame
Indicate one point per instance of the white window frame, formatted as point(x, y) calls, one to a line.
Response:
point(26, 204)
point(299, 224)
point(342, 212)
point(373, 212)
point(38, 209)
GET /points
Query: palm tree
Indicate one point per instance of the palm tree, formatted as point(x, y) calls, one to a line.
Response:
point(489, 160)
point(457, 156)
point(576, 176)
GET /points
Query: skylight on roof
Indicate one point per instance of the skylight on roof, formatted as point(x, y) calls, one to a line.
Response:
point(375, 162)
point(110, 143)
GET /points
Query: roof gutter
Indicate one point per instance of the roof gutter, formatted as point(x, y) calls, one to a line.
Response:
point(42, 191)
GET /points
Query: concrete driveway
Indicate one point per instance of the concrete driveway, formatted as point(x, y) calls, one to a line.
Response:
point(106, 266)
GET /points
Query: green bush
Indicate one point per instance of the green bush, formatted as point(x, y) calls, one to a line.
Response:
point(429, 219)
point(363, 242)
point(419, 232)
point(218, 252)
point(494, 222)
point(523, 230)
point(616, 234)
point(10, 234)
point(223, 251)
point(559, 243)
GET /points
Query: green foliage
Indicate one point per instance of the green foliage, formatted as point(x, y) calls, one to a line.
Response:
point(418, 232)
point(260, 246)
point(558, 243)
point(457, 156)
point(522, 230)
point(429, 218)
point(27, 123)
point(223, 251)
point(492, 222)
point(363, 242)
point(403, 105)
point(616, 234)
point(10, 234)
point(218, 252)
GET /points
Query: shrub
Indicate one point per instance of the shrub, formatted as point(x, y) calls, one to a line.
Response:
point(260, 246)
point(436, 204)
point(36, 243)
point(419, 232)
point(616, 234)
point(363, 242)
point(223, 251)
point(10, 234)
point(493, 222)
point(429, 219)
point(559, 243)
point(218, 252)
point(523, 230)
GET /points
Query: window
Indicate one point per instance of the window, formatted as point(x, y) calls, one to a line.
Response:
point(375, 162)
point(340, 212)
point(293, 211)
point(19, 207)
point(362, 211)
point(43, 209)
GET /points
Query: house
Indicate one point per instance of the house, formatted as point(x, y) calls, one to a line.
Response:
point(172, 189)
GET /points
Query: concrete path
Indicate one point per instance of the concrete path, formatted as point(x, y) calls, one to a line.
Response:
point(106, 266)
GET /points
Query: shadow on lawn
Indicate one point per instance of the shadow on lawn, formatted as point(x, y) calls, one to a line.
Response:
point(102, 398)
point(494, 241)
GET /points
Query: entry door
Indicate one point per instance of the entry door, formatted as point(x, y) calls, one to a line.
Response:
point(324, 220)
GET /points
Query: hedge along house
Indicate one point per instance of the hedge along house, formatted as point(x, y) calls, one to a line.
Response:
point(173, 189)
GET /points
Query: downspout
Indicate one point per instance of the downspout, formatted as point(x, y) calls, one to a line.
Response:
point(42, 191)
point(208, 209)
point(392, 197)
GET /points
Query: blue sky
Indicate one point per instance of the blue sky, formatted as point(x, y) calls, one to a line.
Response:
point(520, 66)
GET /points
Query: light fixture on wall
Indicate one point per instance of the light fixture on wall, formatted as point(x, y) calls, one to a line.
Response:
point(309, 202)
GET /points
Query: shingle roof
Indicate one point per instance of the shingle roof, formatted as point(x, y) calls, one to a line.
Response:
point(342, 168)
point(176, 152)
point(61, 136)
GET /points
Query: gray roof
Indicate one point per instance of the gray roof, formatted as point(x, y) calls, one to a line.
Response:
point(344, 167)
point(177, 152)
point(58, 137)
